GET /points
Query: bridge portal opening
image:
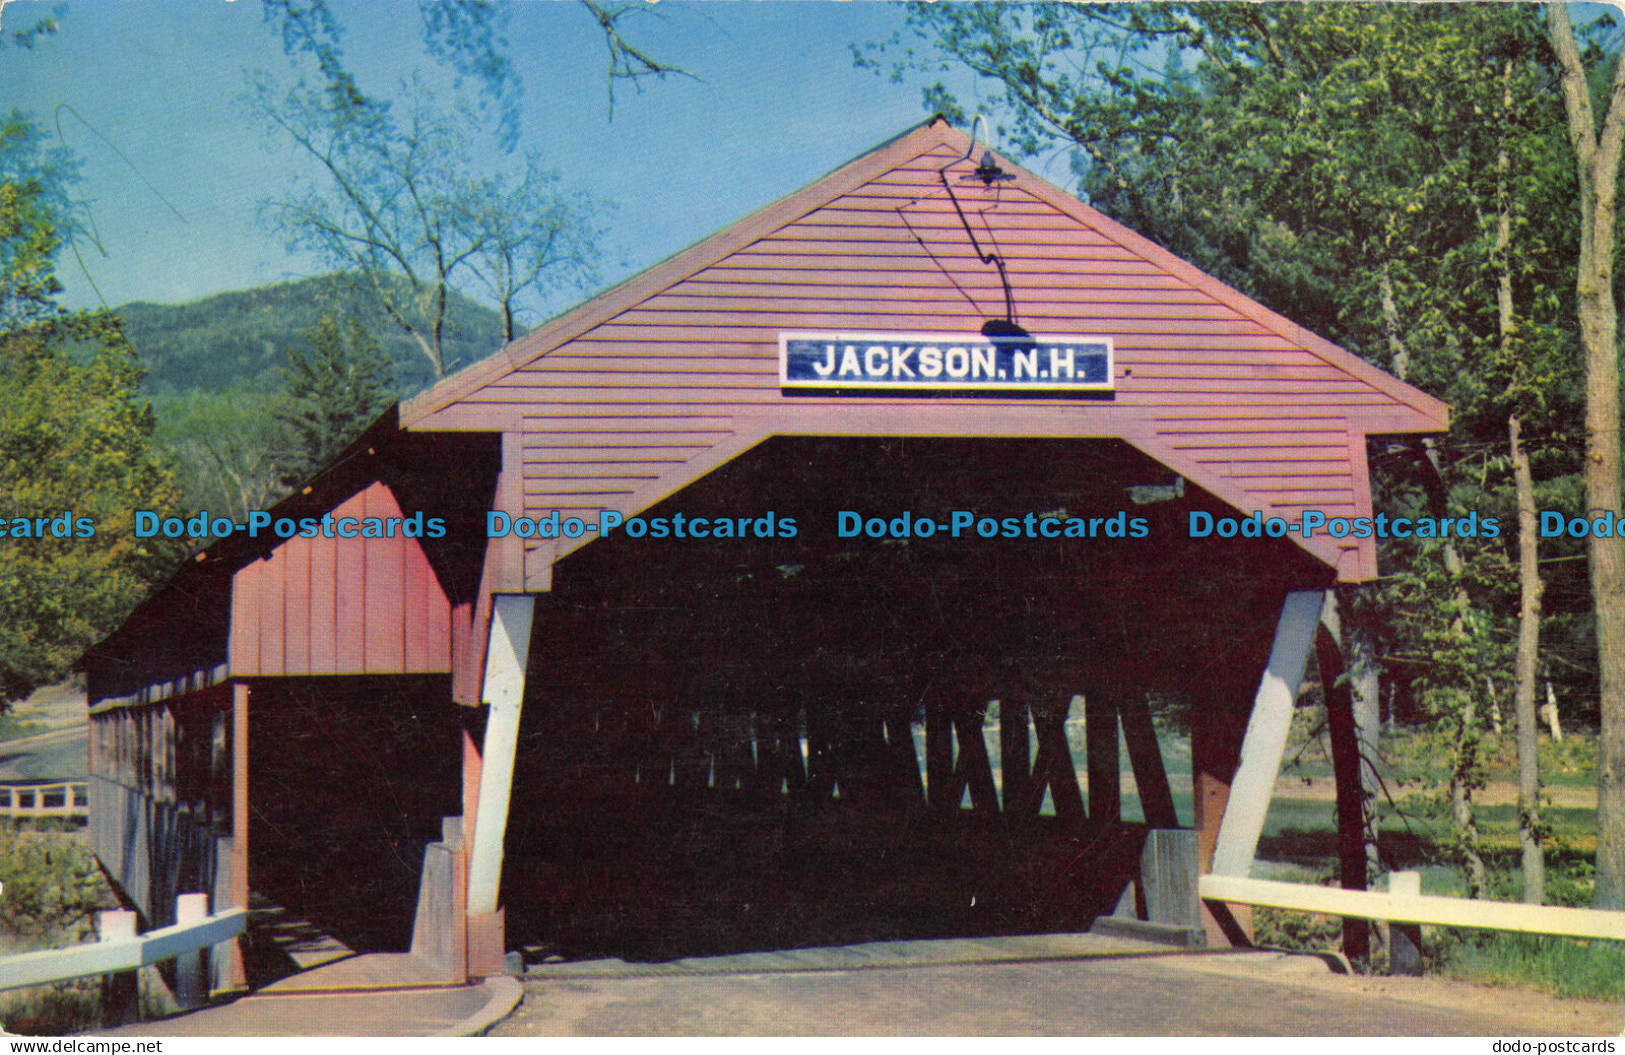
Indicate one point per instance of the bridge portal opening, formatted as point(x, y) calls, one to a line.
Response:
point(821, 736)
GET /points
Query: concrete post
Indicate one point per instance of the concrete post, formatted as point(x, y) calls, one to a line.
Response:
point(121, 996)
point(191, 968)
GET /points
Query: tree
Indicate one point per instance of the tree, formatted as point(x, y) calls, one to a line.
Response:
point(334, 391)
point(399, 200)
point(1369, 171)
point(394, 206)
point(1597, 158)
point(466, 37)
point(76, 461)
point(226, 448)
point(533, 238)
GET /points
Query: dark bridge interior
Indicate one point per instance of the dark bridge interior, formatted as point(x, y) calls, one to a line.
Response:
point(722, 743)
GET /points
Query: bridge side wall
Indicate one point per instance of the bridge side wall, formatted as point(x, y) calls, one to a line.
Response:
point(160, 797)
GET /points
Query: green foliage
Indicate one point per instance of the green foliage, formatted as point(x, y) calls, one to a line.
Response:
point(334, 391)
point(1570, 967)
point(218, 373)
point(223, 446)
point(54, 888)
point(33, 203)
point(398, 199)
point(1396, 177)
point(74, 443)
point(1276, 928)
point(44, 26)
point(53, 1010)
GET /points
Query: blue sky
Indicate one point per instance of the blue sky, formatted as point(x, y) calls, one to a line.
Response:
point(778, 103)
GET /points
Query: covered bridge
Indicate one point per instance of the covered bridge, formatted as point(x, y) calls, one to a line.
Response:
point(659, 740)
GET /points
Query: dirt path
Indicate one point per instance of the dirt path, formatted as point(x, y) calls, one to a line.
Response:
point(1502, 793)
point(1324, 789)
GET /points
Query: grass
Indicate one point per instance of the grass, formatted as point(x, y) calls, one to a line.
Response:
point(1567, 967)
point(1299, 844)
point(53, 890)
point(12, 728)
point(76, 1006)
point(53, 1010)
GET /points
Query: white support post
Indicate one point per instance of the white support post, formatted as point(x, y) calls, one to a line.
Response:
point(191, 968)
point(115, 925)
point(121, 995)
point(504, 690)
point(1267, 730)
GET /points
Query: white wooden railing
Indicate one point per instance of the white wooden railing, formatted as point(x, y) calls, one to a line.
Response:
point(1404, 902)
point(28, 800)
point(121, 949)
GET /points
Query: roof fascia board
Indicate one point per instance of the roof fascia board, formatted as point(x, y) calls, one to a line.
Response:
point(1430, 414)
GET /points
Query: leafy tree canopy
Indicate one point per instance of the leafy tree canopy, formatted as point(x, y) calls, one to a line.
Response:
point(74, 442)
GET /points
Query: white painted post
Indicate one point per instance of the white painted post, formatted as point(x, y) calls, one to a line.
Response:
point(115, 925)
point(1405, 938)
point(504, 691)
point(191, 973)
point(1267, 730)
point(121, 999)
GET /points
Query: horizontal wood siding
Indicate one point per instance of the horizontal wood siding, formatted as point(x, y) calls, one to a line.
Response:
point(342, 606)
point(618, 413)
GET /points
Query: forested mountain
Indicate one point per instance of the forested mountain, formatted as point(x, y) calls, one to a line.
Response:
point(239, 341)
point(252, 390)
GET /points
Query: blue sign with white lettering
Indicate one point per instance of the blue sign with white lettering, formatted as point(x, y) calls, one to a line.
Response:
point(909, 362)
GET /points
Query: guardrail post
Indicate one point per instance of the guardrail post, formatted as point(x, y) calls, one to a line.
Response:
point(226, 958)
point(191, 968)
point(1404, 939)
point(121, 996)
point(1168, 873)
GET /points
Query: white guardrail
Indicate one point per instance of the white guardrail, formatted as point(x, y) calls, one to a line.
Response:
point(121, 949)
point(1404, 902)
point(69, 798)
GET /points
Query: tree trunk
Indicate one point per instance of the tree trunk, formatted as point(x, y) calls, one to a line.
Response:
point(1548, 712)
point(1530, 586)
point(1462, 779)
point(1531, 589)
point(1367, 689)
point(1465, 761)
point(1390, 316)
point(1597, 156)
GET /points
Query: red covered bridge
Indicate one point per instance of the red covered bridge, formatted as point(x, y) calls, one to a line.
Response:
point(661, 746)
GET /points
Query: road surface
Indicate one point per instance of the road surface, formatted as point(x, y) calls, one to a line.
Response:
point(1250, 994)
point(56, 755)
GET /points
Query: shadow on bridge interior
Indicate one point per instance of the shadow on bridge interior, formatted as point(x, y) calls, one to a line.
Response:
point(350, 779)
point(718, 745)
point(721, 748)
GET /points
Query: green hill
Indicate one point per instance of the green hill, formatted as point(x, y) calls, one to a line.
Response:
point(238, 341)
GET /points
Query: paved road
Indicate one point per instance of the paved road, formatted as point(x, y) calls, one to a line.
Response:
point(56, 755)
point(1251, 995)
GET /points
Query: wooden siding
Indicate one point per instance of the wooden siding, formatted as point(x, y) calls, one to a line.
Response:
point(341, 606)
point(627, 399)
